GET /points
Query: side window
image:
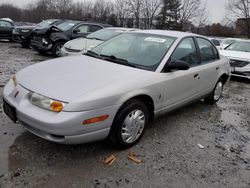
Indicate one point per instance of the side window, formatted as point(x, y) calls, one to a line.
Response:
point(94, 28)
point(207, 50)
point(186, 51)
point(5, 24)
point(83, 28)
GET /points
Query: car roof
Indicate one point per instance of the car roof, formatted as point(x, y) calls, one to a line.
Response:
point(86, 22)
point(122, 28)
point(6, 19)
point(177, 34)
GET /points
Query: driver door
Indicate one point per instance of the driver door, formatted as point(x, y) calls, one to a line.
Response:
point(180, 86)
point(6, 29)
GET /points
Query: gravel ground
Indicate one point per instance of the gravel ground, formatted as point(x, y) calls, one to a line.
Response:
point(169, 149)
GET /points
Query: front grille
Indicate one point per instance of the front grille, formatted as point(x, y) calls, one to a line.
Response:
point(37, 38)
point(72, 50)
point(238, 63)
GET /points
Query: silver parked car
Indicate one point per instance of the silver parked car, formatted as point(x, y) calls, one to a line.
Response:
point(115, 89)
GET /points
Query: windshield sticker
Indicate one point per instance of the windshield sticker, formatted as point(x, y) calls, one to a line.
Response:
point(152, 39)
point(71, 24)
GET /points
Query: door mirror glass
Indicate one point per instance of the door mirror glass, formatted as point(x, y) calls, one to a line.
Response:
point(177, 65)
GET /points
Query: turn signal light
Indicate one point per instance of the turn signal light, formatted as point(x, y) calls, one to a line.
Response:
point(14, 80)
point(56, 106)
point(95, 120)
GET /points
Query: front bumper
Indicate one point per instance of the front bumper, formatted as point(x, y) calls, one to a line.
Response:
point(63, 127)
point(16, 38)
point(243, 72)
point(39, 45)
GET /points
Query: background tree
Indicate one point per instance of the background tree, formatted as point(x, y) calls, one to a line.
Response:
point(240, 9)
point(169, 15)
point(150, 9)
point(189, 10)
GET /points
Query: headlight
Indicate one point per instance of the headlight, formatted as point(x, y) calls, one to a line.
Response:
point(45, 102)
point(45, 41)
point(25, 30)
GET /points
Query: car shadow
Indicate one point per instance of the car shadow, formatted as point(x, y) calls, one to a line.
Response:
point(29, 149)
point(238, 79)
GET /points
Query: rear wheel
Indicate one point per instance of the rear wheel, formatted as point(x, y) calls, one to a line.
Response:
point(216, 93)
point(56, 49)
point(129, 124)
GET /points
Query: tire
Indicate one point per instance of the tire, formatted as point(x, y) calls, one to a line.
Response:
point(135, 111)
point(56, 49)
point(216, 94)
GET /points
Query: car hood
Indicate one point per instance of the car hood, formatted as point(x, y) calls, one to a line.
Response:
point(82, 44)
point(45, 30)
point(236, 55)
point(26, 27)
point(67, 78)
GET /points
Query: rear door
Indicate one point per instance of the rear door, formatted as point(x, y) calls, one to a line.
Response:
point(209, 65)
point(6, 29)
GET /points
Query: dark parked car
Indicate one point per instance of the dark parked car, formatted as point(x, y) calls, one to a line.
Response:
point(23, 34)
point(6, 28)
point(52, 39)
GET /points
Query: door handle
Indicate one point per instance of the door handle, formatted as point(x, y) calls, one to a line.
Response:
point(217, 68)
point(196, 75)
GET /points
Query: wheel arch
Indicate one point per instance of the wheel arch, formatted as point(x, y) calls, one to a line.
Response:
point(224, 77)
point(146, 99)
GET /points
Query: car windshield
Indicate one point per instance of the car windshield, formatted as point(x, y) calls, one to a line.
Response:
point(138, 49)
point(46, 23)
point(66, 25)
point(243, 46)
point(105, 34)
point(228, 41)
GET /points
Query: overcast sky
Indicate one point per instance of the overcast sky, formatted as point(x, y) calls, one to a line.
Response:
point(216, 7)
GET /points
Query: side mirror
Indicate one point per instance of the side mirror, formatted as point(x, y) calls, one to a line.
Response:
point(177, 65)
point(77, 31)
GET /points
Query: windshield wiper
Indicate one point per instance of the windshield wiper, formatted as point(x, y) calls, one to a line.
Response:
point(92, 54)
point(95, 38)
point(114, 59)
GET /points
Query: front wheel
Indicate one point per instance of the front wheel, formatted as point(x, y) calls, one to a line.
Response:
point(129, 124)
point(216, 93)
point(56, 49)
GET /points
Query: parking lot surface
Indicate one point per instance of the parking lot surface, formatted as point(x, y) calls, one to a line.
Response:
point(196, 146)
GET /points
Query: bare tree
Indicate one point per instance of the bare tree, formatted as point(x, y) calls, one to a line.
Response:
point(150, 9)
point(189, 10)
point(240, 9)
point(202, 18)
point(10, 11)
point(136, 9)
point(121, 11)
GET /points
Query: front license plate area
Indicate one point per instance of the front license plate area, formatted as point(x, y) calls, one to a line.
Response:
point(10, 111)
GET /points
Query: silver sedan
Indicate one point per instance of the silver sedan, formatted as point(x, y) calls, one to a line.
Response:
point(114, 90)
